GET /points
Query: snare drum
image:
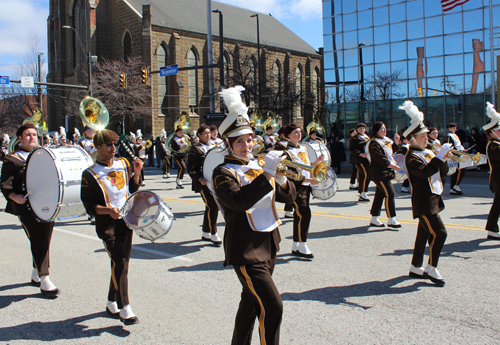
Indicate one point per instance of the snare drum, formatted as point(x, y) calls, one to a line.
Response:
point(53, 181)
point(146, 214)
point(316, 149)
point(213, 158)
point(327, 188)
point(400, 161)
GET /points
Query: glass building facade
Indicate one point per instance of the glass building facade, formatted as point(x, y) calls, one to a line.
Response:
point(378, 53)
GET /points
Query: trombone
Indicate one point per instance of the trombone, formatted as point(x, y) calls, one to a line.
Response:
point(458, 156)
point(318, 172)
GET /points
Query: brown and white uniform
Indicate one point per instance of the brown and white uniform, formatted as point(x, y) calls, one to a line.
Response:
point(180, 159)
point(251, 240)
point(458, 176)
point(357, 146)
point(109, 185)
point(493, 152)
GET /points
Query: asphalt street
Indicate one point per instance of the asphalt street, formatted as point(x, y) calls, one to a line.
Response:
point(355, 291)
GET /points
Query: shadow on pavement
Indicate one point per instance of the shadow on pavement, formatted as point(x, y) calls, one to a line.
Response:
point(359, 230)
point(206, 266)
point(340, 294)
point(57, 330)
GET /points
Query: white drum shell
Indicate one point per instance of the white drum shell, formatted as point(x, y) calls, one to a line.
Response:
point(213, 158)
point(314, 150)
point(53, 178)
point(150, 226)
point(327, 188)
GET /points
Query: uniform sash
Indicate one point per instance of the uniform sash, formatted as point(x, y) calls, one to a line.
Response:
point(262, 216)
point(181, 141)
point(386, 144)
point(88, 145)
point(21, 154)
point(456, 141)
point(217, 142)
point(435, 182)
point(113, 181)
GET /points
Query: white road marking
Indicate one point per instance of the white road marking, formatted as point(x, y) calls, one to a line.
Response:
point(145, 250)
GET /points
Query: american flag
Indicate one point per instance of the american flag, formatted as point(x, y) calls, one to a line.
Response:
point(451, 4)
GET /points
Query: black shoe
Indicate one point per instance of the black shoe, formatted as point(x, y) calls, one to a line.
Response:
point(418, 276)
point(130, 321)
point(489, 238)
point(34, 283)
point(353, 188)
point(438, 282)
point(455, 192)
point(394, 226)
point(363, 199)
point(378, 226)
point(302, 255)
point(51, 293)
point(179, 186)
point(112, 315)
point(206, 239)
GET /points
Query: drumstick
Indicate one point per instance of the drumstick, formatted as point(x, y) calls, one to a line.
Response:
point(30, 191)
point(126, 147)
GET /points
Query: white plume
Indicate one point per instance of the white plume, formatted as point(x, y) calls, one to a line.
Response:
point(62, 131)
point(6, 138)
point(139, 134)
point(132, 135)
point(163, 133)
point(491, 112)
point(232, 99)
point(77, 133)
point(411, 109)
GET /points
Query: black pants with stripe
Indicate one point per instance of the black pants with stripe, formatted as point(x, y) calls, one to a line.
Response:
point(457, 177)
point(492, 222)
point(181, 163)
point(166, 165)
point(40, 235)
point(119, 249)
point(363, 177)
point(430, 229)
point(354, 173)
point(211, 211)
point(302, 214)
point(259, 299)
point(385, 190)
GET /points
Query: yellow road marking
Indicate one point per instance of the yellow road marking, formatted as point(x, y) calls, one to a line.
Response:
point(350, 216)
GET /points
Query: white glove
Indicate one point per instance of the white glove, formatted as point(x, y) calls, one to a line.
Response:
point(272, 160)
point(280, 179)
point(445, 148)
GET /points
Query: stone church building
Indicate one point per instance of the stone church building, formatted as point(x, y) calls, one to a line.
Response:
point(169, 32)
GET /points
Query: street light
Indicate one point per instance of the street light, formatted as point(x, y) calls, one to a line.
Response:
point(87, 54)
point(258, 57)
point(221, 47)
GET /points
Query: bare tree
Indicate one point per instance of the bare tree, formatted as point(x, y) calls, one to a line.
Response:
point(381, 86)
point(133, 102)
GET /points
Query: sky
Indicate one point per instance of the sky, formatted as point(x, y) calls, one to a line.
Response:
point(303, 17)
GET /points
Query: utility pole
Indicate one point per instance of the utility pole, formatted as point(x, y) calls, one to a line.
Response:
point(210, 56)
point(40, 95)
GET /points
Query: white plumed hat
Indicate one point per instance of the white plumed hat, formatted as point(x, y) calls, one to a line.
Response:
point(416, 119)
point(163, 133)
point(236, 122)
point(62, 132)
point(77, 133)
point(138, 134)
point(494, 116)
point(132, 135)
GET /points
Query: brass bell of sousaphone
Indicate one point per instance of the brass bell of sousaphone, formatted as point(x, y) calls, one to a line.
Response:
point(94, 113)
point(184, 123)
point(37, 120)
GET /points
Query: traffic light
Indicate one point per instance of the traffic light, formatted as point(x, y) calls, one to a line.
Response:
point(123, 81)
point(145, 76)
point(420, 92)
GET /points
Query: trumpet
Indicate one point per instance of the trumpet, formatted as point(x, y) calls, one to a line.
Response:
point(458, 156)
point(318, 172)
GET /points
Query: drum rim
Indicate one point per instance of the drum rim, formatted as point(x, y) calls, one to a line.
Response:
point(130, 197)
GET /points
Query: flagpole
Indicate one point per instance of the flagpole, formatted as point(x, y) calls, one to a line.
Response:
point(492, 57)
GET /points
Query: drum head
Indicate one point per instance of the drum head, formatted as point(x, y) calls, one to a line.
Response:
point(141, 209)
point(314, 150)
point(327, 188)
point(213, 158)
point(42, 178)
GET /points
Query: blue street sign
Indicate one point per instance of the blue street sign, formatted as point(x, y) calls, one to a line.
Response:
point(169, 70)
point(4, 80)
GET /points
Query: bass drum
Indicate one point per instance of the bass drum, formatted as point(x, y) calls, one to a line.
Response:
point(53, 181)
point(146, 214)
point(213, 158)
point(316, 149)
point(327, 188)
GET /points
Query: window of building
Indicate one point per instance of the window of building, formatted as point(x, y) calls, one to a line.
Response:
point(161, 58)
point(193, 78)
point(276, 78)
point(298, 90)
point(252, 73)
point(127, 46)
point(314, 86)
point(226, 69)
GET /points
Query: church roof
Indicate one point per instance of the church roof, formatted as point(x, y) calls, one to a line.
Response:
point(191, 15)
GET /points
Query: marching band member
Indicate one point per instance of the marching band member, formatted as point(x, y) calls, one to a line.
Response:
point(362, 163)
point(48, 141)
point(382, 167)
point(425, 170)
point(140, 152)
point(352, 158)
point(492, 131)
point(281, 146)
point(164, 154)
point(313, 136)
point(55, 139)
point(62, 140)
point(105, 188)
point(88, 141)
point(196, 158)
point(457, 177)
point(247, 195)
point(269, 140)
point(302, 214)
point(179, 141)
point(214, 137)
point(38, 233)
point(432, 136)
point(76, 135)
